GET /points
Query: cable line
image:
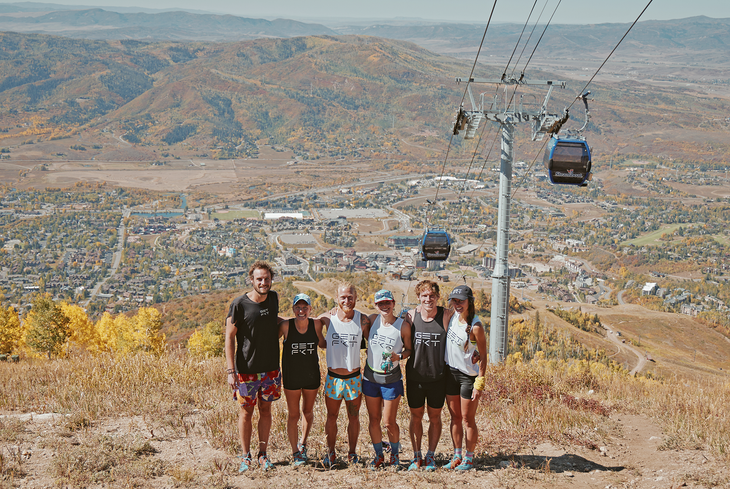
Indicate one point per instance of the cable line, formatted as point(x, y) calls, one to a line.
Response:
point(529, 37)
point(504, 73)
point(583, 91)
point(541, 36)
point(463, 97)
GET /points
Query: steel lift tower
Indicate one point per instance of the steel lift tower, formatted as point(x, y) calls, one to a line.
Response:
point(507, 113)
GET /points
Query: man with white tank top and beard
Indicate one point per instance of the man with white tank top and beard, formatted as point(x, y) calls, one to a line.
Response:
point(345, 330)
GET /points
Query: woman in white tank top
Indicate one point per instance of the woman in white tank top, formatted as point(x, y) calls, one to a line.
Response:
point(389, 342)
point(466, 342)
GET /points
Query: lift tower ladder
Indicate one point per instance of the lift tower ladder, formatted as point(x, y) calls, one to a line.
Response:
point(507, 113)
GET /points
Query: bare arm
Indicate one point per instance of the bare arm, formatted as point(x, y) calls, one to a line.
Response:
point(365, 326)
point(283, 327)
point(230, 347)
point(365, 323)
point(324, 321)
point(318, 324)
point(405, 334)
point(478, 332)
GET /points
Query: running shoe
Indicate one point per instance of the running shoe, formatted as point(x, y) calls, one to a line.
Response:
point(329, 460)
point(299, 459)
point(395, 461)
point(352, 458)
point(467, 464)
point(415, 464)
point(378, 462)
point(455, 462)
point(245, 462)
point(265, 463)
point(303, 450)
point(430, 463)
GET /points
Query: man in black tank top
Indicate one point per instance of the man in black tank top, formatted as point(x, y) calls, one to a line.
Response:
point(252, 359)
point(425, 371)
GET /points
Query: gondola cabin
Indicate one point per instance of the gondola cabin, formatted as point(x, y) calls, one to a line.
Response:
point(436, 245)
point(568, 161)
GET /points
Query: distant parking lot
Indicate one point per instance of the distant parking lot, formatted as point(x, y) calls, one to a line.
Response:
point(352, 213)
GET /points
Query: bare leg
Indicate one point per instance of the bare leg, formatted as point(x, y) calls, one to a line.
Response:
point(353, 422)
point(456, 427)
point(434, 428)
point(308, 396)
point(390, 411)
point(416, 427)
point(469, 408)
point(375, 414)
point(330, 427)
point(292, 421)
point(245, 415)
point(264, 424)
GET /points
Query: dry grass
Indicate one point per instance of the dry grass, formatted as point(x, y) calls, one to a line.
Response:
point(173, 396)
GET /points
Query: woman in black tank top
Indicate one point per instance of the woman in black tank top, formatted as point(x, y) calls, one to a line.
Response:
point(300, 372)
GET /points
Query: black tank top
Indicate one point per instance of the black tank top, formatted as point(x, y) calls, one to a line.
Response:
point(299, 361)
point(427, 363)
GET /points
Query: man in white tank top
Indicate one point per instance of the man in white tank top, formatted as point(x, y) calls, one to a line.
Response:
point(345, 330)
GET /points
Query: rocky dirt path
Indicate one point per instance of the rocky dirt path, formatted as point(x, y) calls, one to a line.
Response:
point(632, 457)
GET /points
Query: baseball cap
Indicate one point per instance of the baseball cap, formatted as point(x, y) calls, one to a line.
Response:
point(462, 292)
point(302, 297)
point(383, 295)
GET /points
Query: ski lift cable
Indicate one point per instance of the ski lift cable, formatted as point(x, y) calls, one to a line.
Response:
point(476, 148)
point(463, 97)
point(529, 37)
point(517, 44)
point(542, 148)
point(541, 36)
point(481, 172)
point(610, 54)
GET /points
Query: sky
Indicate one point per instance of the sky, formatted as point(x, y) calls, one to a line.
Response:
point(472, 11)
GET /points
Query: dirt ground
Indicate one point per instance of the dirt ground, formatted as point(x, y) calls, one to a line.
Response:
point(632, 457)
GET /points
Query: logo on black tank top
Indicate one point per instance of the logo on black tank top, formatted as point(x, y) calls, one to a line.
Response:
point(428, 339)
point(302, 348)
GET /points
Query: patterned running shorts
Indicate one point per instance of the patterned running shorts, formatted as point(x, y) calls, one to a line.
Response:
point(265, 386)
point(347, 389)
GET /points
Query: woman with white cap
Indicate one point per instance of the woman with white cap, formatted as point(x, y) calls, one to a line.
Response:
point(300, 371)
point(389, 342)
point(465, 344)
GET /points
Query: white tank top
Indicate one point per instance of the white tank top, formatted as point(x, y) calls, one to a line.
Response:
point(382, 342)
point(456, 357)
point(343, 343)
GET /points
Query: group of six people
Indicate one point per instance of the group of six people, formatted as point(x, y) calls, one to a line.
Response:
point(440, 347)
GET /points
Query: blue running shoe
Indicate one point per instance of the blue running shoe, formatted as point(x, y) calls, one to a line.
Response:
point(467, 464)
point(265, 463)
point(299, 459)
point(430, 464)
point(245, 462)
point(416, 464)
point(329, 460)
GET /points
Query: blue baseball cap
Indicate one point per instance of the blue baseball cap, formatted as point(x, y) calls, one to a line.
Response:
point(383, 295)
point(302, 297)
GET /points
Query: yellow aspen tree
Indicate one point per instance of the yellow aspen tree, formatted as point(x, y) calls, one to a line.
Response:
point(48, 327)
point(147, 330)
point(11, 331)
point(107, 333)
point(83, 332)
point(207, 342)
